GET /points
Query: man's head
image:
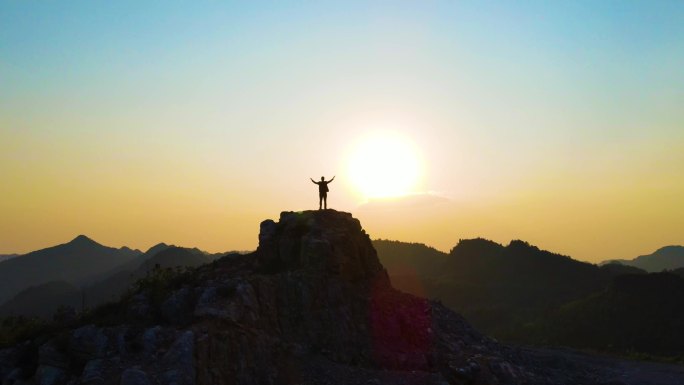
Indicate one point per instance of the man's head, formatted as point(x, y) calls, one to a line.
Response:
point(322, 178)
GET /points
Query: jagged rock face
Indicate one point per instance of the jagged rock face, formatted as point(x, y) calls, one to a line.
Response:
point(312, 305)
point(322, 290)
point(325, 241)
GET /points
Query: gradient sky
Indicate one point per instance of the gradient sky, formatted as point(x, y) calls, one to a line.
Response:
point(560, 123)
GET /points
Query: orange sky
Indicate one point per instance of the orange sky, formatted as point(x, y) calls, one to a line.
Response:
point(559, 124)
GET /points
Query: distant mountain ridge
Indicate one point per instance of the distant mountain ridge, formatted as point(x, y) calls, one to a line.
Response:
point(130, 265)
point(517, 292)
point(484, 268)
point(45, 298)
point(491, 283)
point(312, 305)
point(521, 293)
point(4, 257)
point(73, 262)
point(159, 256)
point(665, 258)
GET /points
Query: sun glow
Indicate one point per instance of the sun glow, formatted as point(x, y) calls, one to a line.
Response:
point(384, 165)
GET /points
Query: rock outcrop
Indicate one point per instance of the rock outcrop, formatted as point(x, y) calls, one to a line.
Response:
point(312, 305)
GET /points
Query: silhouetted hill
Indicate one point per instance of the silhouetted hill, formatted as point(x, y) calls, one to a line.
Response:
point(531, 275)
point(312, 305)
point(615, 269)
point(161, 256)
point(4, 257)
point(665, 258)
point(74, 262)
point(42, 300)
point(637, 312)
point(521, 293)
point(130, 266)
point(414, 256)
point(501, 289)
point(498, 288)
point(103, 287)
point(409, 263)
point(174, 256)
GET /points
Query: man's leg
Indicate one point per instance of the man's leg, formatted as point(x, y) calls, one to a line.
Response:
point(325, 201)
point(320, 201)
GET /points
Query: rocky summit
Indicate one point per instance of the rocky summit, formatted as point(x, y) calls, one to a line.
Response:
point(312, 305)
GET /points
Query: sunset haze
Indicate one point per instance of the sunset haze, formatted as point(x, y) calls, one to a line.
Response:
point(561, 124)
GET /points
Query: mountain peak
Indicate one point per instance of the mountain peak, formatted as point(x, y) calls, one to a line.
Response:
point(83, 240)
point(329, 241)
point(157, 248)
point(669, 249)
point(665, 258)
point(476, 246)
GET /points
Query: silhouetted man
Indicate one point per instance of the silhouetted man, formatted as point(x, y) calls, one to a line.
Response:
point(323, 192)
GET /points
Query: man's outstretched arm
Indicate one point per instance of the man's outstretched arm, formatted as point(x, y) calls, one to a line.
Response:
point(333, 178)
point(313, 180)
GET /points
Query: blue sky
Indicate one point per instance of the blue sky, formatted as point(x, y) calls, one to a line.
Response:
point(507, 102)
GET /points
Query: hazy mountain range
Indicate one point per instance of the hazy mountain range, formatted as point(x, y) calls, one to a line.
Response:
point(314, 305)
point(516, 292)
point(76, 262)
point(82, 273)
point(666, 258)
point(521, 293)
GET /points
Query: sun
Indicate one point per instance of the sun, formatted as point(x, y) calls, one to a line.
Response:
point(384, 165)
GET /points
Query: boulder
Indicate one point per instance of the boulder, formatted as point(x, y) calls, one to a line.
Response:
point(139, 308)
point(134, 376)
point(50, 375)
point(178, 308)
point(49, 355)
point(180, 361)
point(93, 372)
point(150, 340)
point(88, 342)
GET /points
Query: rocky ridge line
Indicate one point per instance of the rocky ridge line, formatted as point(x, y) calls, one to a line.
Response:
point(312, 305)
